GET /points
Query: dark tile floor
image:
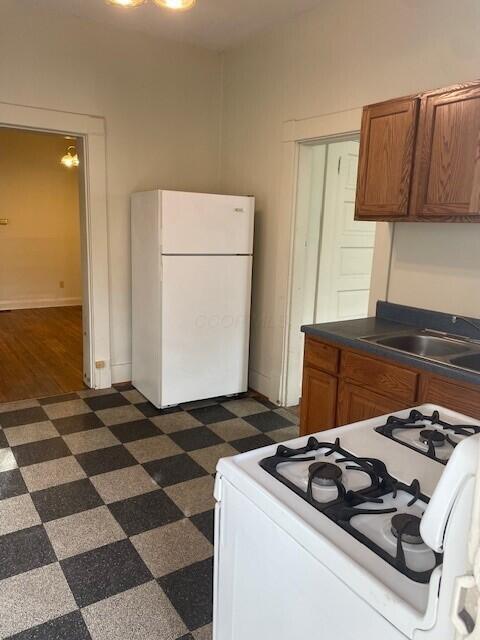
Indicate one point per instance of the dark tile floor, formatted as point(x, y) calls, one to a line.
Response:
point(106, 512)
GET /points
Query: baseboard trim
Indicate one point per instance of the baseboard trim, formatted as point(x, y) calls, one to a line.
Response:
point(121, 372)
point(260, 382)
point(12, 305)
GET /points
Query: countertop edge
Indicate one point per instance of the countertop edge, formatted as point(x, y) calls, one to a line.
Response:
point(444, 370)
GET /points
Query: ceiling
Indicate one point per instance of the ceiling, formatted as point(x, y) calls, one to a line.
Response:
point(216, 24)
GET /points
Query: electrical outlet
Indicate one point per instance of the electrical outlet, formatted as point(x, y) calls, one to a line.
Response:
point(62, 284)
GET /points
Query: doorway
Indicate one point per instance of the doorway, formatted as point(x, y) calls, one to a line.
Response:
point(332, 253)
point(41, 288)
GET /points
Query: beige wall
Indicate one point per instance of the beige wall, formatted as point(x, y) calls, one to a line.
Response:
point(162, 105)
point(338, 57)
point(40, 247)
point(161, 102)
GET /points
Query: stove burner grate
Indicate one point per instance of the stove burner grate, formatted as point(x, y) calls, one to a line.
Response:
point(423, 424)
point(348, 504)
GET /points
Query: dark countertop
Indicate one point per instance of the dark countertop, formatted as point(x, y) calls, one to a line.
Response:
point(348, 332)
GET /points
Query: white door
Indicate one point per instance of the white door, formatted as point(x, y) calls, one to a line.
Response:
point(205, 326)
point(332, 252)
point(308, 218)
point(205, 223)
point(346, 249)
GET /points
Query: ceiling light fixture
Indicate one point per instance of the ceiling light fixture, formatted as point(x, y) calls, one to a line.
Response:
point(128, 4)
point(175, 5)
point(70, 159)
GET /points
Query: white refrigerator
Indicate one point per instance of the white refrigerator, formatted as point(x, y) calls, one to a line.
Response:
point(191, 290)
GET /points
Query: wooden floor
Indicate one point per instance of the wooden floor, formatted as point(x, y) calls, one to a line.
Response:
point(40, 352)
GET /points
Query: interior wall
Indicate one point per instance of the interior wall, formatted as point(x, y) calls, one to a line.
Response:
point(342, 56)
point(161, 103)
point(40, 246)
point(437, 266)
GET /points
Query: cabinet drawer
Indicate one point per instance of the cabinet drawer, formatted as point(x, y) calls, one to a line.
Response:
point(321, 355)
point(379, 375)
point(449, 394)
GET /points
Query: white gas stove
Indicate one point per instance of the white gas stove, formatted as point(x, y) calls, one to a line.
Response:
point(357, 532)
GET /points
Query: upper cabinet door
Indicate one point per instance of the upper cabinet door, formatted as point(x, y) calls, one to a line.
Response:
point(386, 159)
point(446, 184)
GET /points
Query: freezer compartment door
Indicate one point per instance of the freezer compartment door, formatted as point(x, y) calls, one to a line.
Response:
point(204, 223)
point(205, 326)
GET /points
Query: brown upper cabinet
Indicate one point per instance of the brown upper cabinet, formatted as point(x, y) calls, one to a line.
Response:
point(385, 165)
point(420, 158)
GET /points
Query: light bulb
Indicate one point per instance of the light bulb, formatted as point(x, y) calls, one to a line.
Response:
point(70, 159)
point(126, 3)
point(176, 5)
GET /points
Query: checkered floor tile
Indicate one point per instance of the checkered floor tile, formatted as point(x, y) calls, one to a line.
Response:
point(106, 511)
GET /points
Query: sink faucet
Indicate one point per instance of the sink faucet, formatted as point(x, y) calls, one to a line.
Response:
point(472, 323)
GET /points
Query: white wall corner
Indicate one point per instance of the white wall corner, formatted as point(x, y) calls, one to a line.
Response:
point(220, 123)
point(259, 382)
point(121, 372)
point(381, 267)
point(288, 131)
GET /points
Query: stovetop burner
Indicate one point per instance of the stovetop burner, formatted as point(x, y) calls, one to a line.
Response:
point(406, 527)
point(360, 496)
point(325, 474)
point(428, 435)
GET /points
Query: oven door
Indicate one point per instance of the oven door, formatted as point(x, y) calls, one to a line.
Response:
point(268, 586)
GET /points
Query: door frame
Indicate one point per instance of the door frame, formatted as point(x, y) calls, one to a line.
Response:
point(91, 130)
point(324, 128)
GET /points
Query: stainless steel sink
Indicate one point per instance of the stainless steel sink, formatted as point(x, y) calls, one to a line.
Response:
point(427, 344)
point(424, 345)
point(471, 361)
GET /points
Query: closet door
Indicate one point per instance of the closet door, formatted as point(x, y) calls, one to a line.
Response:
point(446, 182)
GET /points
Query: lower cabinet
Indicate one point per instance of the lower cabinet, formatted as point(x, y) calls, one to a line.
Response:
point(341, 385)
point(357, 403)
point(447, 393)
point(319, 401)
